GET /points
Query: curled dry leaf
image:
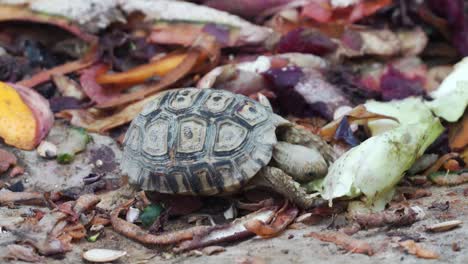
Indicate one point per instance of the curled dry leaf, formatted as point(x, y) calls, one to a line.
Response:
point(229, 232)
point(144, 72)
point(458, 134)
point(280, 222)
point(25, 116)
point(416, 249)
point(95, 123)
point(136, 233)
point(9, 198)
point(439, 163)
point(403, 216)
point(21, 14)
point(213, 250)
point(176, 11)
point(68, 87)
point(348, 243)
point(187, 64)
point(449, 178)
point(94, 90)
point(44, 76)
point(23, 253)
point(359, 115)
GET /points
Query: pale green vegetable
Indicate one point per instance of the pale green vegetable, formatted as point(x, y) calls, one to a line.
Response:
point(375, 166)
point(406, 111)
point(451, 98)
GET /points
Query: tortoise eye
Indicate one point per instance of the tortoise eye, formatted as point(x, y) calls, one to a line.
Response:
point(216, 98)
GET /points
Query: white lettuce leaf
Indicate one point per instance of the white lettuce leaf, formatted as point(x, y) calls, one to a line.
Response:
point(451, 98)
point(375, 166)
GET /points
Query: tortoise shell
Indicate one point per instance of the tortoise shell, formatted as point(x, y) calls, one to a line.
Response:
point(198, 142)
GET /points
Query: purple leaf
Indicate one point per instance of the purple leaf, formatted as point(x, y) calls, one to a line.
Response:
point(220, 32)
point(58, 104)
point(306, 41)
point(282, 78)
point(304, 93)
point(394, 85)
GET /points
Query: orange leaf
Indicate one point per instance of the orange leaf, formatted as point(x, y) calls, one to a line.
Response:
point(142, 73)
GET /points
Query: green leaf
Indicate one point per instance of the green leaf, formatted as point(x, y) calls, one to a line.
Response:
point(451, 98)
point(375, 166)
point(93, 238)
point(406, 111)
point(150, 214)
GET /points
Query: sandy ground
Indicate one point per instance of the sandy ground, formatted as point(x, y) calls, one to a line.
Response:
point(290, 247)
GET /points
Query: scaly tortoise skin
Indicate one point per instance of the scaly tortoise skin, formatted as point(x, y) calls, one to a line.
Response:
point(198, 142)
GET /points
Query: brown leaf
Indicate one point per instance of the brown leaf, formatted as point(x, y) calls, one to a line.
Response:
point(348, 243)
point(416, 249)
point(229, 232)
point(458, 134)
point(213, 250)
point(281, 220)
point(23, 253)
point(359, 115)
point(44, 76)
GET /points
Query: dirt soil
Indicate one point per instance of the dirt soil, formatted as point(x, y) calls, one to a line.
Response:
point(290, 247)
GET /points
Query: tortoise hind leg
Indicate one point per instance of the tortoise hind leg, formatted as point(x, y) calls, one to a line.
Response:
point(285, 185)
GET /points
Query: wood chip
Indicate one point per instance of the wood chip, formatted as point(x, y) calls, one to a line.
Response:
point(103, 255)
point(416, 249)
point(444, 226)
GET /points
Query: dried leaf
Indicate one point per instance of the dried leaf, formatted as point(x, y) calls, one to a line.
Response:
point(416, 249)
point(348, 243)
point(280, 222)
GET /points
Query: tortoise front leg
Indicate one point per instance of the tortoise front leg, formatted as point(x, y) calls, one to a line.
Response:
point(285, 185)
point(300, 136)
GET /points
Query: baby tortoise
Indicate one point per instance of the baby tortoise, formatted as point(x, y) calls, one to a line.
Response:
point(206, 142)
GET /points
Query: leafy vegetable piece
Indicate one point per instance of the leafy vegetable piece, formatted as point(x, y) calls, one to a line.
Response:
point(143, 72)
point(451, 99)
point(75, 142)
point(449, 178)
point(306, 41)
point(406, 111)
point(375, 166)
point(93, 238)
point(25, 116)
point(150, 214)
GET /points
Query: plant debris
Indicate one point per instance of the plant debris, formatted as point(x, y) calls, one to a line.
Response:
point(378, 89)
point(416, 249)
point(346, 242)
